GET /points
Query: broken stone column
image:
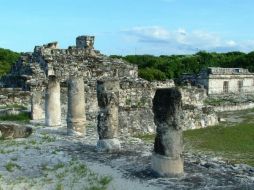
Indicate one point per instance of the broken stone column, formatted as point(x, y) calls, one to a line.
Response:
point(85, 42)
point(108, 100)
point(76, 118)
point(53, 103)
point(37, 105)
point(167, 157)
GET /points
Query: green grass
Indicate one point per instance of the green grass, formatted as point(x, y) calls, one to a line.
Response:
point(233, 143)
point(48, 138)
point(10, 166)
point(59, 186)
point(222, 101)
point(213, 101)
point(25, 117)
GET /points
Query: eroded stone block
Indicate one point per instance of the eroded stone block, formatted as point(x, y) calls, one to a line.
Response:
point(108, 100)
point(168, 147)
point(9, 131)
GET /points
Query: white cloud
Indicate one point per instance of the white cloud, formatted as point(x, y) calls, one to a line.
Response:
point(184, 41)
point(148, 33)
point(231, 43)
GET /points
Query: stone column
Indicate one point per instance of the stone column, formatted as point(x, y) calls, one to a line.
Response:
point(37, 104)
point(167, 157)
point(53, 103)
point(76, 118)
point(108, 100)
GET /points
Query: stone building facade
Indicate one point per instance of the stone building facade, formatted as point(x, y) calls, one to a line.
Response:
point(224, 81)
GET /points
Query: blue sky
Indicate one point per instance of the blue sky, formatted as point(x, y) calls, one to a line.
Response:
point(130, 26)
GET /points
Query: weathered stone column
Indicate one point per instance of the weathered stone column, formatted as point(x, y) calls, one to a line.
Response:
point(37, 104)
point(108, 100)
point(76, 118)
point(53, 103)
point(167, 158)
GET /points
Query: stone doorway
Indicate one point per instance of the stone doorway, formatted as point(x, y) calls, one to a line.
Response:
point(240, 86)
point(225, 86)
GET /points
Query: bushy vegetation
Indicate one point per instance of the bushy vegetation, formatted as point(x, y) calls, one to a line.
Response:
point(23, 116)
point(168, 67)
point(7, 58)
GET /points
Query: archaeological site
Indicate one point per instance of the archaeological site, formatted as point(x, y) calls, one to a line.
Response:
point(88, 112)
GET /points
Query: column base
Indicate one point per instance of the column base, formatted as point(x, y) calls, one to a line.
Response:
point(167, 166)
point(108, 145)
point(54, 126)
point(76, 127)
point(72, 132)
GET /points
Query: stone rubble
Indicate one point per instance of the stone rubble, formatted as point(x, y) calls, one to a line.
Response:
point(11, 130)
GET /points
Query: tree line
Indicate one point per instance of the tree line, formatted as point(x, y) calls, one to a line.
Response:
point(168, 67)
point(165, 66)
point(7, 59)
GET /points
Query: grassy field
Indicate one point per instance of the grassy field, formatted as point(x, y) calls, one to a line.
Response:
point(235, 144)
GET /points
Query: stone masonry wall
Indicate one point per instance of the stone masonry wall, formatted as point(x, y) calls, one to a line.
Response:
point(10, 96)
point(135, 105)
point(196, 115)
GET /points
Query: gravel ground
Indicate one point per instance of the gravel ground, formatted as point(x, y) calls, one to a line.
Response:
point(49, 159)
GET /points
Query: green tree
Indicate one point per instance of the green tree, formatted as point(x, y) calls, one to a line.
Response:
point(7, 59)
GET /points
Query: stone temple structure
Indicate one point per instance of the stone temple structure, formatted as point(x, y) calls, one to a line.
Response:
point(224, 81)
point(52, 75)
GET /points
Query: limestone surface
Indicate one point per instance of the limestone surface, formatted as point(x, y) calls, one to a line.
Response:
point(57, 161)
point(53, 103)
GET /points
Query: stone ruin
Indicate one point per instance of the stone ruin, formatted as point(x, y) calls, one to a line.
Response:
point(30, 77)
point(84, 87)
point(49, 68)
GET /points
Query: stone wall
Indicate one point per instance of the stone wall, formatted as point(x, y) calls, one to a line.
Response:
point(216, 84)
point(238, 107)
point(136, 97)
point(11, 96)
point(196, 115)
point(193, 95)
